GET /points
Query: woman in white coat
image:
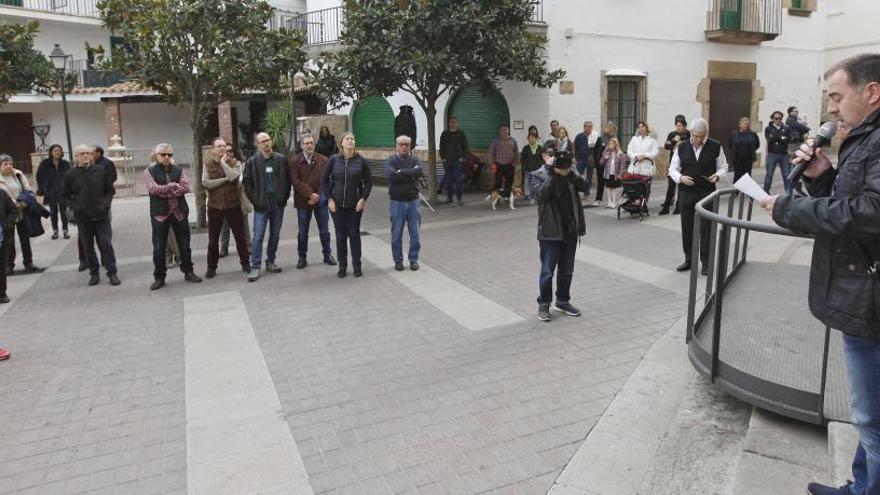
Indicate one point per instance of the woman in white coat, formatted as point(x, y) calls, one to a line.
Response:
point(642, 147)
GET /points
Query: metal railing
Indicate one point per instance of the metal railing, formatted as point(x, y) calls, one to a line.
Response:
point(747, 16)
point(729, 240)
point(320, 26)
point(325, 26)
point(84, 8)
point(538, 13)
point(89, 77)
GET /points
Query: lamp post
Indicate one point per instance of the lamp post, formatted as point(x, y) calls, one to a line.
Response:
point(59, 61)
point(41, 129)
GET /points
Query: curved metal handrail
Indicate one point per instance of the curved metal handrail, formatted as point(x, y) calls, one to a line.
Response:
point(795, 403)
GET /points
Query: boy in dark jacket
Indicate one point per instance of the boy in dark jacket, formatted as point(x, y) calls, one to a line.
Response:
point(560, 226)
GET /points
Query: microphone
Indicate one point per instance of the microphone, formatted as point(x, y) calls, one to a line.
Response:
point(826, 133)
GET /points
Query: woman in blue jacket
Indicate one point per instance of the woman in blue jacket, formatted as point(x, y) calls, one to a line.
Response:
point(347, 184)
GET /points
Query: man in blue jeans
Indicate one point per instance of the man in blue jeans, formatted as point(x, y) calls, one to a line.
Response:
point(266, 183)
point(404, 171)
point(843, 213)
point(306, 171)
point(560, 226)
point(778, 136)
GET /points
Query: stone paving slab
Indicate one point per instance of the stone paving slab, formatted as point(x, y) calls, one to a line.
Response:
point(382, 391)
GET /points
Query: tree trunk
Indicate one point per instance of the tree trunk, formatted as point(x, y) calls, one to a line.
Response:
point(431, 113)
point(196, 172)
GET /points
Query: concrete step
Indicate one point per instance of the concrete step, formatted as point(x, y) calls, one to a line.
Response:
point(780, 456)
point(842, 442)
point(702, 447)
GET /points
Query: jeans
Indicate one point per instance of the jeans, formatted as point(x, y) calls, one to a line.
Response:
point(774, 159)
point(160, 244)
point(224, 232)
point(600, 182)
point(234, 218)
point(559, 256)
point(100, 230)
point(454, 177)
point(24, 240)
point(347, 224)
point(56, 210)
point(409, 213)
point(585, 169)
point(304, 218)
point(504, 180)
point(862, 356)
point(274, 217)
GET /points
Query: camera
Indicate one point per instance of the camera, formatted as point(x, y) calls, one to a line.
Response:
point(563, 158)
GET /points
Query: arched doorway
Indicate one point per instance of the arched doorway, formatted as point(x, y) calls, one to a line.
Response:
point(373, 123)
point(479, 116)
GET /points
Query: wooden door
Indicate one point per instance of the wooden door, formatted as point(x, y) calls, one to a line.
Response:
point(729, 101)
point(17, 138)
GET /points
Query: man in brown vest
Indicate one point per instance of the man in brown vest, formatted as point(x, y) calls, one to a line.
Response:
point(220, 179)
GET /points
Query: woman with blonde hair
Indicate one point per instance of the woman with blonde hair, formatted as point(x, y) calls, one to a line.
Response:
point(347, 184)
point(614, 163)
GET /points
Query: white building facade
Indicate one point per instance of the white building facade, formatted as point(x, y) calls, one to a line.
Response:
point(625, 61)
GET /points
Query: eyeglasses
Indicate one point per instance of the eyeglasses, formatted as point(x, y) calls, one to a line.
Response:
point(777, 118)
point(403, 144)
point(166, 154)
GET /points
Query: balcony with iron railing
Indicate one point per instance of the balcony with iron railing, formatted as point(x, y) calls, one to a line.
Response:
point(88, 76)
point(81, 8)
point(743, 22)
point(324, 27)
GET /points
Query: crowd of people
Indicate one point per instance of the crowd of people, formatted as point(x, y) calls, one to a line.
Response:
point(331, 180)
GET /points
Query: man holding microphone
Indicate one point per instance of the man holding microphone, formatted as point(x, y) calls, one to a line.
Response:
point(843, 213)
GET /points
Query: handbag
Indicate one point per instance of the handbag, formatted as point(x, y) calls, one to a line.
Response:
point(644, 167)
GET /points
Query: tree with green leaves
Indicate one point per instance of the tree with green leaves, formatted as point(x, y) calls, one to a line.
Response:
point(432, 48)
point(200, 53)
point(22, 68)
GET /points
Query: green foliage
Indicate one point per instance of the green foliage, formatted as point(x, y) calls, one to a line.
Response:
point(201, 52)
point(277, 125)
point(431, 47)
point(21, 67)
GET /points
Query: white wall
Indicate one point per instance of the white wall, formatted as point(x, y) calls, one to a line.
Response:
point(72, 38)
point(852, 29)
point(86, 121)
point(146, 124)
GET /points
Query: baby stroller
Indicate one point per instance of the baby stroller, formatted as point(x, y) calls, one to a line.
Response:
point(636, 193)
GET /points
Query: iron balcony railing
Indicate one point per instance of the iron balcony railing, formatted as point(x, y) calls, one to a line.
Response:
point(326, 25)
point(746, 16)
point(89, 77)
point(84, 8)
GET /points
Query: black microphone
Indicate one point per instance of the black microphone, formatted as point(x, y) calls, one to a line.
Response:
point(826, 133)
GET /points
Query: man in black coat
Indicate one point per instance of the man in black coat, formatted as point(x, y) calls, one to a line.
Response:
point(843, 213)
point(87, 190)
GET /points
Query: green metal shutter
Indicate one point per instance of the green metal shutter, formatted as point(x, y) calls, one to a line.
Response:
point(479, 116)
point(373, 123)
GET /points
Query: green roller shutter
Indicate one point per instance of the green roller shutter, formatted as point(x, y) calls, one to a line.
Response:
point(373, 123)
point(479, 116)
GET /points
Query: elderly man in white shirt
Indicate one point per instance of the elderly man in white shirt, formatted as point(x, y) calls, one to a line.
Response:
point(696, 166)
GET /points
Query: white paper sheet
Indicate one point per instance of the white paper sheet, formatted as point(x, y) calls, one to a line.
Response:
point(747, 185)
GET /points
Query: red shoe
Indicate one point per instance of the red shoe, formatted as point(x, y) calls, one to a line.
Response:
point(4, 354)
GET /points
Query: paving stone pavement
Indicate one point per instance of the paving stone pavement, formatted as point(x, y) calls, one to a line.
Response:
point(382, 392)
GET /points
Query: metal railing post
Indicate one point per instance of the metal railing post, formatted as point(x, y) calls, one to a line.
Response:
point(724, 246)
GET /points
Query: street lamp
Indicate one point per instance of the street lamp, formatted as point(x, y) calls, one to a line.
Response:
point(59, 61)
point(41, 129)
